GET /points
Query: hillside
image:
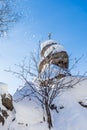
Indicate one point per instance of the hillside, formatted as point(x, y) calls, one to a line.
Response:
point(71, 115)
point(28, 113)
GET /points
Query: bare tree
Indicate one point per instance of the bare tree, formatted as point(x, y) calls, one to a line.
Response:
point(45, 88)
point(7, 15)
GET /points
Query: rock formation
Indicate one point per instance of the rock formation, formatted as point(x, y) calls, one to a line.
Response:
point(54, 54)
point(6, 107)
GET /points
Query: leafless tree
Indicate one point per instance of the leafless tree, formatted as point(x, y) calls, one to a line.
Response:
point(7, 15)
point(48, 88)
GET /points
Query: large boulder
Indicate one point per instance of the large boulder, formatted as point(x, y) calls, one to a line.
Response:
point(7, 101)
point(53, 54)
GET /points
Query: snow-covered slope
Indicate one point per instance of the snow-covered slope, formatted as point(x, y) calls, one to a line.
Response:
point(28, 114)
point(71, 116)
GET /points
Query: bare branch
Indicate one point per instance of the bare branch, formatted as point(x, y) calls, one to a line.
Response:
point(7, 16)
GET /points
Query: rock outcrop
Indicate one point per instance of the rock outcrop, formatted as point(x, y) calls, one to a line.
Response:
point(54, 54)
point(7, 101)
point(6, 107)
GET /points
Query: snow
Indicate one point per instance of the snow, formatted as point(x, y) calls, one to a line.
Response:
point(80, 91)
point(53, 48)
point(52, 71)
point(11, 114)
point(29, 113)
point(3, 88)
point(73, 116)
point(8, 121)
point(48, 42)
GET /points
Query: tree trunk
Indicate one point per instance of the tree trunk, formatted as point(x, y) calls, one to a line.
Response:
point(49, 119)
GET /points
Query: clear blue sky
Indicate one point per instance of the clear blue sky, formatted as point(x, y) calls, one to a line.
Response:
point(65, 19)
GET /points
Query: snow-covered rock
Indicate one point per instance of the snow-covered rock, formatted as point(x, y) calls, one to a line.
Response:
point(54, 58)
point(7, 113)
point(48, 42)
point(50, 46)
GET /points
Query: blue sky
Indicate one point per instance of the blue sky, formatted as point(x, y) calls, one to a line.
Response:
point(65, 19)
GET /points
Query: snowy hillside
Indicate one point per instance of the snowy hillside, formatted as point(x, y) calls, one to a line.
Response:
point(28, 113)
point(71, 115)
